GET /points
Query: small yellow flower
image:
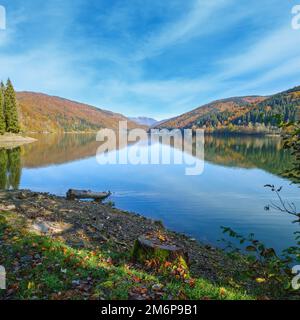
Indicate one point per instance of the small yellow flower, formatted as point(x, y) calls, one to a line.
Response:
point(222, 291)
point(30, 285)
point(260, 280)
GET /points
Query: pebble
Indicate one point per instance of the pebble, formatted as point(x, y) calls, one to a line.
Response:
point(7, 208)
point(26, 259)
point(76, 282)
point(157, 287)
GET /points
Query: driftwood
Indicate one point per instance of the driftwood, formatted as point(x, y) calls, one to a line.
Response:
point(147, 249)
point(87, 194)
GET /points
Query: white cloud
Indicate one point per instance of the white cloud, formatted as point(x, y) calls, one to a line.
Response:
point(115, 74)
point(269, 50)
point(43, 69)
point(196, 22)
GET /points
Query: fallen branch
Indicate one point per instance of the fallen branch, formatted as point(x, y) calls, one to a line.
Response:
point(87, 194)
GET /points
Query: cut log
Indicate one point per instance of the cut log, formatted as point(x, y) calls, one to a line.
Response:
point(147, 248)
point(87, 194)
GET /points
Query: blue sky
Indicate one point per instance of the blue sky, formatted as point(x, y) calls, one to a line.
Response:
point(150, 58)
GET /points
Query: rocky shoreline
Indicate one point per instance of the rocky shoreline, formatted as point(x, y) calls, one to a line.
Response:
point(90, 224)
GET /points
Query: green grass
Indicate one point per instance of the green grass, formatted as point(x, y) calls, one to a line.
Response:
point(39, 267)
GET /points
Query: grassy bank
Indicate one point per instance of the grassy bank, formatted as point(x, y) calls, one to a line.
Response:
point(39, 267)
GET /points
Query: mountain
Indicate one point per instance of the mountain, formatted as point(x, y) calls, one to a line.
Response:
point(251, 114)
point(144, 121)
point(155, 125)
point(43, 113)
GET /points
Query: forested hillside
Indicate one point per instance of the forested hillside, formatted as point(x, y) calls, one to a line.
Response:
point(243, 114)
point(285, 104)
point(42, 113)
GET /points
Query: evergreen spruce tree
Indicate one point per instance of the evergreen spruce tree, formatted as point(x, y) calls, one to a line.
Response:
point(2, 118)
point(10, 109)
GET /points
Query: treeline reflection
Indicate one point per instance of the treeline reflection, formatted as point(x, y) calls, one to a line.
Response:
point(244, 152)
point(248, 152)
point(10, 168)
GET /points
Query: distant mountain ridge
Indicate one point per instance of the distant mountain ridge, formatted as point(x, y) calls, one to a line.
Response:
point(249, 114)
point(44, 113)
point(144, 121)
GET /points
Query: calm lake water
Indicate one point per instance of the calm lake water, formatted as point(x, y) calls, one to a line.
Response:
point(230, 192)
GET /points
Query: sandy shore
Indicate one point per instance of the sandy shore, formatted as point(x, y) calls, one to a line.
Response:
point(13, 140)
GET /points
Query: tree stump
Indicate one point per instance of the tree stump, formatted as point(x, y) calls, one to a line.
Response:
point(150, 247)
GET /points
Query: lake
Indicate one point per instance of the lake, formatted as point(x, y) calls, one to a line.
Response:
point(230, 192)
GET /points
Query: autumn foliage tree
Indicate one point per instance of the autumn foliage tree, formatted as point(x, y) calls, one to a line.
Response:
point(292, 142)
